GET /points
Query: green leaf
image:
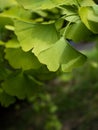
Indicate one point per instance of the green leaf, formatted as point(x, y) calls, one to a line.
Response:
point(89, 16)
point(79, 2)
point(82, 2)
point(7, 3)
point(78, 32)
point(20, 59)
point(61, 54)
point(35, 36)
point(16, 12)
point(13, 43)
point(40, 4)
point(4, 71)
point(86, 2)
point(4, 21)
point(72, 18)
point(20, 85)
point(42, 74)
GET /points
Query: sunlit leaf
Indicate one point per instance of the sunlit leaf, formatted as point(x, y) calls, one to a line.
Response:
point(61, 54)
point(16, 12)
point(40, 4)
point(35, 36)
point(86, 2)
point(13, 43)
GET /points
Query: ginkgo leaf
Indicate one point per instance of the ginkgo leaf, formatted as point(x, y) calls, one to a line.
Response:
point(13, 43)
point(40, 4)
point(19, 59)
point(89, 16)
point(19, 85)
point(16, 12)
point(78, 32)
point(61, 54)
point(35, 36)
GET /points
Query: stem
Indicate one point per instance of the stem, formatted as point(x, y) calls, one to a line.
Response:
point(64, 34)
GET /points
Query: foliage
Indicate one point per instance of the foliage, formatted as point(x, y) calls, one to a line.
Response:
point(35, 47)
point(35, 43)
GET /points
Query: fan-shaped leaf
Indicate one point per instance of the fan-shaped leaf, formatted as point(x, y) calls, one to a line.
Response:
point(78, 32)
point(20, 59)
point(61, 54)
point(37, 36)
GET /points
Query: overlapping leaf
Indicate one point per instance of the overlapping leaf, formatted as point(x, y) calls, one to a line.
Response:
point(79, 2)
point(16, 12)
point(29, 21)
point(71, 9)
point(12, 43)
point(61, 54)
point(37, 36)
point(86, 2)
point(89, 16)
point(20, 59)
point(41, 4)
point(42, 37)
point(78, 32)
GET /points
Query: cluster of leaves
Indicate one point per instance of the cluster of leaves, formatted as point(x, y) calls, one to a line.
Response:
point(73, 102)
point(34, 43)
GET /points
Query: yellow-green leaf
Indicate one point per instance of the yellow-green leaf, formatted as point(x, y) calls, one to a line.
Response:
point(61, 54)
